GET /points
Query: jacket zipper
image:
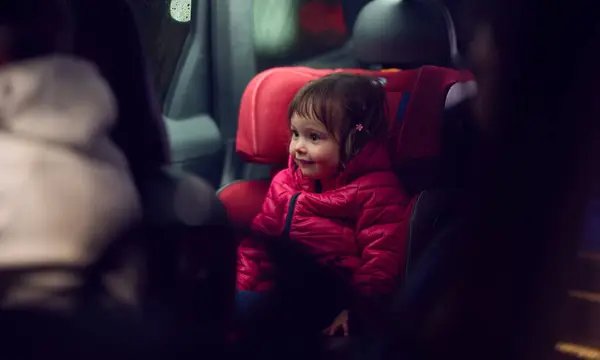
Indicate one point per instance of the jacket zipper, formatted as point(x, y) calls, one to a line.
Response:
point(290, 214)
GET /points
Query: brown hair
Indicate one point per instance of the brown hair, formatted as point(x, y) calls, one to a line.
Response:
point(341, 101)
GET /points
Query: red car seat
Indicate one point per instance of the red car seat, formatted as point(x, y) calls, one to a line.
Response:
point(416, 101)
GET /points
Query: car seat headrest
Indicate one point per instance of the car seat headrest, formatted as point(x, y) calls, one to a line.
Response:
point(405, 34)
point(416, 100)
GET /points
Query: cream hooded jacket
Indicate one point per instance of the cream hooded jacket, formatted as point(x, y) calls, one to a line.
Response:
point(65, 189)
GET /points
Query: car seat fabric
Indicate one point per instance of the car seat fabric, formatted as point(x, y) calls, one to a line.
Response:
point(243, 200)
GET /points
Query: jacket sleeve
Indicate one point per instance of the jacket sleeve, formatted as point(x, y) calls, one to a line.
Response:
point(382, 232)
point(253, 263)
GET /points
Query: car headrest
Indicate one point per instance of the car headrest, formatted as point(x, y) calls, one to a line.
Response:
point(405, 34)
point(416, 100)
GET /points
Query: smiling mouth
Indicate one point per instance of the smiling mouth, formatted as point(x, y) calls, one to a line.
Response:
point(305, 162)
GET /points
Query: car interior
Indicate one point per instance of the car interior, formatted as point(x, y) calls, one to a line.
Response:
point(225, 48)
point(203, 88)
point(206, 119)
point(219, 105)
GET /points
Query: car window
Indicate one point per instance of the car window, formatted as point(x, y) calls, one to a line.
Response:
point(164, 26)
point(290, 31)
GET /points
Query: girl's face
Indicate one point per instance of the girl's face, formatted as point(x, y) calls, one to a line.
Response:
point(314, 149)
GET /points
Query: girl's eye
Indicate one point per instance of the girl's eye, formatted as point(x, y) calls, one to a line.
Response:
point(314, 137)
point(294, 133)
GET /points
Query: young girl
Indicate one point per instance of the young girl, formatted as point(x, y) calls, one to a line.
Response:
point(339, 198)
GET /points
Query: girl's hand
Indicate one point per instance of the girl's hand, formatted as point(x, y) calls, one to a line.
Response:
point(340, 322)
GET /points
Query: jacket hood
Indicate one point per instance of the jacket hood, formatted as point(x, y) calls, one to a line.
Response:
point(56, 99)
point(372, 158)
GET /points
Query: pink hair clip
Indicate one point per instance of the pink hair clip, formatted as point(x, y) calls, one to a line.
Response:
point(359, 127)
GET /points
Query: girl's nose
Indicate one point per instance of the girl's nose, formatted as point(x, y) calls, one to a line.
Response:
point(300, 148)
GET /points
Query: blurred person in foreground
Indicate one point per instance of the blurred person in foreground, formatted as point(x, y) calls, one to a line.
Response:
point(535, 128)
point(498, 277)
point(66, 189)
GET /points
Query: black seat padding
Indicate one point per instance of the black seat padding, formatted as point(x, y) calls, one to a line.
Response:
point(436, 206)
point(432, 210)
point(432, 225)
